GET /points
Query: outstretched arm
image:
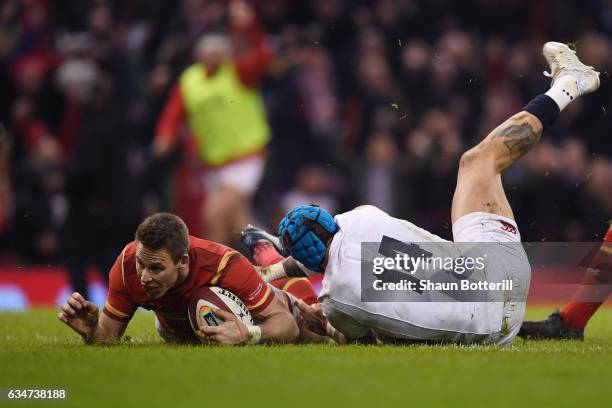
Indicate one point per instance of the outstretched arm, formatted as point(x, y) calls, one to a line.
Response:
point(84, 317)
point(251, 64)
point(108, 327)
point(170, 122)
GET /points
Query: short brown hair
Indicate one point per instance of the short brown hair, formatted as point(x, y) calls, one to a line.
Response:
point(164, 231)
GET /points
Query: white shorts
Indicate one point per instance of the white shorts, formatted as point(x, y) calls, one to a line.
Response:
point(485, 227)
point(242, 175)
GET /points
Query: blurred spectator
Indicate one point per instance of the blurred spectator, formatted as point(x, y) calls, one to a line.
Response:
point(219, 99)
point(96, 186)
point(314, 185)
point(5, 183)
point(434, 148)
point(369, 102)
point(379, 178)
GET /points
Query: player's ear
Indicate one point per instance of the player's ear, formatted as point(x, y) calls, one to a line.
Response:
point(184, 261)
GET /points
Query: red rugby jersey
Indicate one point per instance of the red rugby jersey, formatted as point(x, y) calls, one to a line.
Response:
point(210, 264)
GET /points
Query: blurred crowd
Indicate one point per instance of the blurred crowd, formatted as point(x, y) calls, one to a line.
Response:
point(368, 102)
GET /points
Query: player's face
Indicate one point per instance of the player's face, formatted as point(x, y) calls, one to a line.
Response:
point(157, 271)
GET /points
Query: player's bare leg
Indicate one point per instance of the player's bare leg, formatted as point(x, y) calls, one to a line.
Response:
point(224, 212)
point(240, 213)
point(214, 217)
point(479, 186)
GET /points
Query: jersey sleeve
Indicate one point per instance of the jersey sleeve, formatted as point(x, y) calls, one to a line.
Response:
point(172, 116)
point(118, 304)
point(252, 64)
point(239, 277)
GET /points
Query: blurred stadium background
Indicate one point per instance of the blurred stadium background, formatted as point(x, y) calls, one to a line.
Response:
point(367, 101)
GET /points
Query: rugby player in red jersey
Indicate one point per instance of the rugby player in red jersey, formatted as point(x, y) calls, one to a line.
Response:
point(570, 322)
point(160, 270)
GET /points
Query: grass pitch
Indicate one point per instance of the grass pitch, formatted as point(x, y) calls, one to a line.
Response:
point(36, 351)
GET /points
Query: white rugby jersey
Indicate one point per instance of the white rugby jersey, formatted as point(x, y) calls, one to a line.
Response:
point(435, 320)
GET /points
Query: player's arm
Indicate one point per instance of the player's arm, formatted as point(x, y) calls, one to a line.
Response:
point(170, 122)
point(276, 325)
point(287, 268)
point(107, 331)
point(84, 317)
point(252, 64)
point(295, 269)
point(313, 320)
point(107, 327)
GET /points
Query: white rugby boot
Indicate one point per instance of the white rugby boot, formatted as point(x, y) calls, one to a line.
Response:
point(563, 63)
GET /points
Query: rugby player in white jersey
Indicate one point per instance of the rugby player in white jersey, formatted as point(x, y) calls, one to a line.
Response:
point(320, 243)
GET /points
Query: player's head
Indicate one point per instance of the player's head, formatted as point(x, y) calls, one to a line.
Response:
point(213, 49)
point(162, 244)
point(305, 232)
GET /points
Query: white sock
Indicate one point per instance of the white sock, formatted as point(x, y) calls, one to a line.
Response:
point(564, 91)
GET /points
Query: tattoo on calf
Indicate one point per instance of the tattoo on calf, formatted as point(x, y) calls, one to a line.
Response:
point(519, 139)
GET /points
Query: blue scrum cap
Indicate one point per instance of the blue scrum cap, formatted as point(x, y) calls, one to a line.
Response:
point(304, 233)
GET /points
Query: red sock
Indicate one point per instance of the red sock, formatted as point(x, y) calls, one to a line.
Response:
point(265, 254)
point(577, 313)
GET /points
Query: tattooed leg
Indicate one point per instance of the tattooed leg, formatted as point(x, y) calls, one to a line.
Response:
point(519, 134)
point(479, 185)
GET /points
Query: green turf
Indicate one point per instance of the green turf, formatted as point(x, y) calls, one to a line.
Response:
point(37, 351)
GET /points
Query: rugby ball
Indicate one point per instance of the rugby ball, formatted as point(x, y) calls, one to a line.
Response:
point(204, 299)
